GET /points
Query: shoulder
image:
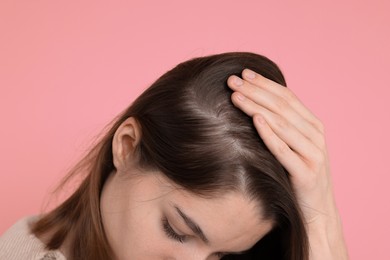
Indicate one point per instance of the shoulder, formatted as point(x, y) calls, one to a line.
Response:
point(18, 243)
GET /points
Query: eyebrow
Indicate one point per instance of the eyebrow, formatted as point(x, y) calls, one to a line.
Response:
point(192, 224)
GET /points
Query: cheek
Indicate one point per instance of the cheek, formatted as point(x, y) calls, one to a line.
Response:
point(141, 236)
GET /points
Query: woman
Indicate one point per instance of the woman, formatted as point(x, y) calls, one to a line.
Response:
point(216, 160)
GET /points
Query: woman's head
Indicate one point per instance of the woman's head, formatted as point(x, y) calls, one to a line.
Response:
point(185, 132)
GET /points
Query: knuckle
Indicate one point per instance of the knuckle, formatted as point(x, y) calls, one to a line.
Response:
point(283, 149)
point(319, 125)
point(281, 123)
point(288, 95)
point(280, 104)
point(318, 158)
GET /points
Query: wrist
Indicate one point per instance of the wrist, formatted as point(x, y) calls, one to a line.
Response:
point(326, 238)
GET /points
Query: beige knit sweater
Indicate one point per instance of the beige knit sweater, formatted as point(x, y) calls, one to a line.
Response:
point(17, 243)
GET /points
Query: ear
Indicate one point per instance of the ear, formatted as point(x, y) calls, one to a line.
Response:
point(124, 143)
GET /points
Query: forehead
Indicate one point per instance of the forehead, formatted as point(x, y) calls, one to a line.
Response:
point(231, 221)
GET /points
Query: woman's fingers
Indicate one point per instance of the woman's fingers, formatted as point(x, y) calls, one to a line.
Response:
point(288, 158)
point(283, 92)
point(261, 98)
point(280, 127)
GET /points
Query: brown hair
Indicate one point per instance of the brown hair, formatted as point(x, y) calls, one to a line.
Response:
point(192, 133)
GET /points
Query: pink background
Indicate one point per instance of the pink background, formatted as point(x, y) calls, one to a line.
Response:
point(68, 67)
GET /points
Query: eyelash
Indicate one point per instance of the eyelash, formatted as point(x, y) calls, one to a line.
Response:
point(171, 233)
point(180, 238)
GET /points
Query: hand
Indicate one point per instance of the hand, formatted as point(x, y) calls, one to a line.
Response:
point(296, 138)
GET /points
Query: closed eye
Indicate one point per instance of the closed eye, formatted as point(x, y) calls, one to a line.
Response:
point(171, 233)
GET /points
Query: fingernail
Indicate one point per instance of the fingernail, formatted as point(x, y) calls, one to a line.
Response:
point(240, 97)
point(238, 81)
point(249, 74)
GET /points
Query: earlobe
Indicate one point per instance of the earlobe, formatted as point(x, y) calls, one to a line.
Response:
point(124, 143)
